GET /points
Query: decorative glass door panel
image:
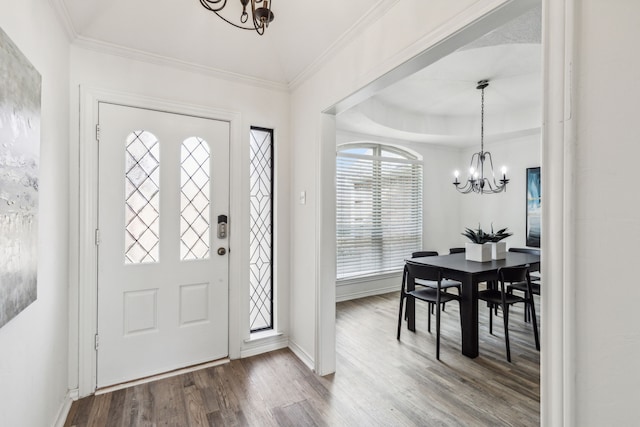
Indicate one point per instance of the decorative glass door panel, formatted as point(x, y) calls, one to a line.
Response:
point(162, 295)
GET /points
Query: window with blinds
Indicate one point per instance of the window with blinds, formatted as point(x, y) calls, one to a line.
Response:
point(378, 209)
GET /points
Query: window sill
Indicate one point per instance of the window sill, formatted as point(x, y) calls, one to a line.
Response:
point(262, 335)
point(369, 278)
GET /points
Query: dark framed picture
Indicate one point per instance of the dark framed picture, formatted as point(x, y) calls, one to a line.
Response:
point(533, 207)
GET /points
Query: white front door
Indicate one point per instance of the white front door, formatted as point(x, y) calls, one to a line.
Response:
point(162, 268)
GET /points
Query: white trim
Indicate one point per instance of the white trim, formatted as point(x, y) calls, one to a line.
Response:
point(325, 235)
point(369, 278)
point(302, 355)
point(371, 16)
point(86, 203)
point(370, 293)
point(152, 58)
point(463, 28)
point(63, 411)
point(62, 12)
point(557, 366)
point(261, 345)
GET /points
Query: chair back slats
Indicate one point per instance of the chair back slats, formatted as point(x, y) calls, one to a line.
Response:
point(421, 271)
point(526, 251)
point(513, 274)
point(421, 254)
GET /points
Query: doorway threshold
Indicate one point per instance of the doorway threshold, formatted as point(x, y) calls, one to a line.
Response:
point(161, 376)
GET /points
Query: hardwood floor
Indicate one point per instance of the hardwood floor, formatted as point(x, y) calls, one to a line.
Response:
point(379, 381)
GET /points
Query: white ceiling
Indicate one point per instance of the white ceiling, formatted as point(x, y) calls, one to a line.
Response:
point(300, 34)
point(438, 104)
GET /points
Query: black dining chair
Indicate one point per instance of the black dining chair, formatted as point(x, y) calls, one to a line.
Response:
point(446, 283)
point(522, 286)
point(457, 250)
point(435, 296)
point(499, 297)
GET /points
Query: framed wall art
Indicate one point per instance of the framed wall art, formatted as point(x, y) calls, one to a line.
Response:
point(533, 207)
point(20, 90)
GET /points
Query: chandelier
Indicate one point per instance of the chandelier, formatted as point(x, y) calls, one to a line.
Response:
point(478, 181)
point(261, 16)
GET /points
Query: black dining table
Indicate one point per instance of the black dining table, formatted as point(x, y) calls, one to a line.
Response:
point(469, 273)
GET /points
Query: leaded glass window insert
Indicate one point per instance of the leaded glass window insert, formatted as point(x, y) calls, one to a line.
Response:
point(194, 199)
point(261, 230)
point(142, 198)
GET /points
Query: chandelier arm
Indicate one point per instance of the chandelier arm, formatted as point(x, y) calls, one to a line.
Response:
point(207, 4)
point(258, 26)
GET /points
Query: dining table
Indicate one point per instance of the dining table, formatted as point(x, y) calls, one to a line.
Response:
point(470, 274)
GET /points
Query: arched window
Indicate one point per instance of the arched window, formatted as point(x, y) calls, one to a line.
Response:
point(378, 208)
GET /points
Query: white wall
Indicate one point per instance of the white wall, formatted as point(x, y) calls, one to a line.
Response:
point(257, 105)
point(607, 227)
point(403, 32)
point(446, 211)
point(33, 346)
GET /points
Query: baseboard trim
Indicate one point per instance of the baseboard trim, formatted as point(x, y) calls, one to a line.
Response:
point(263, 345)
point(363, 294)
point(65, 407)
point(302, 355)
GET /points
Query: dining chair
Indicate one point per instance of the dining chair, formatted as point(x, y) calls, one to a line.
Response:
point(457, 250)
point(435, 296)
point(446, 283)
point(501, 298)
point(522, 286)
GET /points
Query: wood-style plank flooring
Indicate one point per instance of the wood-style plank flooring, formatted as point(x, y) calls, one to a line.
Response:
point(379, 381)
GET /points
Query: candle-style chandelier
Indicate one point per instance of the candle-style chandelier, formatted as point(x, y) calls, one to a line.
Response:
point(261, 15)
point(478, 181)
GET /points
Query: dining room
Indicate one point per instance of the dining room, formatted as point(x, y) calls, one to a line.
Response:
point(439, 121)
point(454, 146)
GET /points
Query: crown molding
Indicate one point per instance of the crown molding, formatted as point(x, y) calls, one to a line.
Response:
point(62, 12)
point(372, 15)
point(139, 55)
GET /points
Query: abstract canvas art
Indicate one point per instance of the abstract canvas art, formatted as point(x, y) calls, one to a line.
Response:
point(20, 88)
point(533, 207)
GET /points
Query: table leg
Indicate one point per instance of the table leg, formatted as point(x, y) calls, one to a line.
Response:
point(469, 318)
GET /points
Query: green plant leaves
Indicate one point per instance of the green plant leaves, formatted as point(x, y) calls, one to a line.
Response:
point(480, 237)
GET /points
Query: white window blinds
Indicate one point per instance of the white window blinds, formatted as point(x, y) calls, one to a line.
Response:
point(378, 209)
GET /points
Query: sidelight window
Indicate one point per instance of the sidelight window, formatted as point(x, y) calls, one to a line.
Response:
point(261, 230)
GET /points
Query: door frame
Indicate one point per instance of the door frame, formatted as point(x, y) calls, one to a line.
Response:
point(86, 194)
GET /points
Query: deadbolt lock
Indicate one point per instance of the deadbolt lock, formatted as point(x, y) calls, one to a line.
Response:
point(222, 251)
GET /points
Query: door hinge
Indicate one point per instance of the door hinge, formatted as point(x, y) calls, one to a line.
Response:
point(97, 132)
point(97, 341)
point(97, 237)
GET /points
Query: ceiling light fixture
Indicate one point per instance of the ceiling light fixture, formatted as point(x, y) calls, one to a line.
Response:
point(478, 182)
point(261, 16)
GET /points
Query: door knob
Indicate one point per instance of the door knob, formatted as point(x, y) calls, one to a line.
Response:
point(222, 251)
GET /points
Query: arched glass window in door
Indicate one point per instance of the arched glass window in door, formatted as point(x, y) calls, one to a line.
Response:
point(142, 198)
point(194, 199)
